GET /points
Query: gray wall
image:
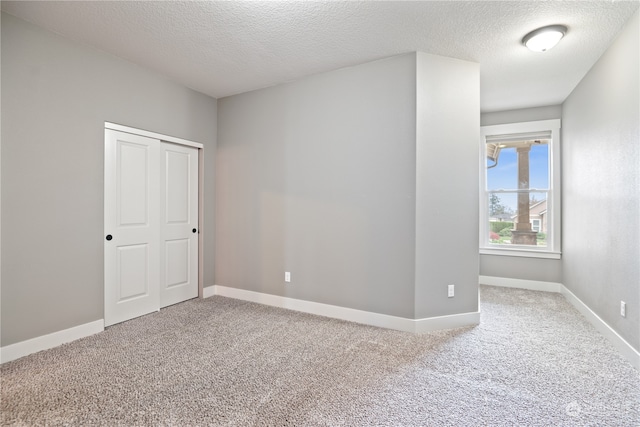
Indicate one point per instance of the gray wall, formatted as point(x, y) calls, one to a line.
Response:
point(525, 268)
point(448, 112)
point(56, 96)
point(318, 177)
point(601, 172)
point(538, 269)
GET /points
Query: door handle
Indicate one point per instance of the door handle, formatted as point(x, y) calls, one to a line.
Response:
point(194, 231)
point(109, 237)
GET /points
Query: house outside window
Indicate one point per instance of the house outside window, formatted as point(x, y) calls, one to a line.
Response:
point(520, 189)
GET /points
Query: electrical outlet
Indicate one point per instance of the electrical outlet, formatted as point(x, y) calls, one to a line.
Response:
point(623, 309)
point(287, 276)
point(451, 291)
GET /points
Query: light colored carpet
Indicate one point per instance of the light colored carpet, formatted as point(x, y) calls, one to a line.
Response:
point(533, 361)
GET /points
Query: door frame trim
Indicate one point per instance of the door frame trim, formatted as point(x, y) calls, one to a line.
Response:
point(188, 143)
point(154, 135)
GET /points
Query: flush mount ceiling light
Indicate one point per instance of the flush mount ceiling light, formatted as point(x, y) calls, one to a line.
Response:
point(544, 38)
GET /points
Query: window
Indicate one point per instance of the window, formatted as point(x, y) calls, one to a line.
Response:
point(535, 225)
point(520, 189)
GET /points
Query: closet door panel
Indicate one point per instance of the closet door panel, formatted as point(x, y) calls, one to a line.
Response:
point(179, 223)
point(131, 224)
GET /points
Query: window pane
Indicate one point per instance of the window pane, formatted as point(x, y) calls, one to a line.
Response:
point(507, 227)
point(539, 166)
point(503, 166)
point(504, 175)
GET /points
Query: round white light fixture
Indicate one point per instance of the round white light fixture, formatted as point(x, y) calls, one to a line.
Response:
point(544, 38)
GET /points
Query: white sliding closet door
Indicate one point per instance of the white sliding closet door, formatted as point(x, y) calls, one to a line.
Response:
point(131, 221)
point(151, 225)
point(179, 224)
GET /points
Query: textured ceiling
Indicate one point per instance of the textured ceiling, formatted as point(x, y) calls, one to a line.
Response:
point(225, 48)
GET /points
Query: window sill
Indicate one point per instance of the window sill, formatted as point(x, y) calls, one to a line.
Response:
point(520, 253)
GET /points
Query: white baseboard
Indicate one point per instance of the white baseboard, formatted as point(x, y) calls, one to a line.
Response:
point(45, 342)
point(209, 291)
point(461, 320)
point(350, 314)
point(532, 285)
point(630, 353)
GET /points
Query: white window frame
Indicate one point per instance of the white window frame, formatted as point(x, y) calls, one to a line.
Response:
point(552, 250)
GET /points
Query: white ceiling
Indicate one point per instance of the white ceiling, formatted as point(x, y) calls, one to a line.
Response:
point(225, 48)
